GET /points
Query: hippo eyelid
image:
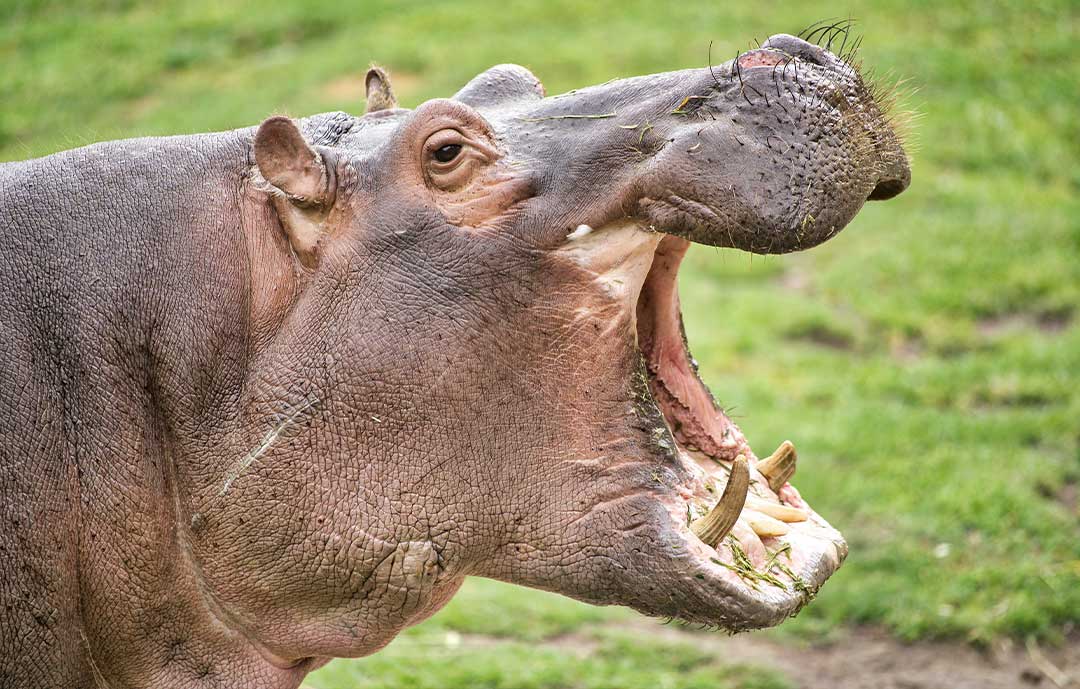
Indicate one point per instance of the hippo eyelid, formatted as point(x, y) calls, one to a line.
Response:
point(445, 150)
point(458, 135)
point(452, 157)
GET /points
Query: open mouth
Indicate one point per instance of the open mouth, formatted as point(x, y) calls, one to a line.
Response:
point(777, 154)
point(746, 551)
point(745, 524)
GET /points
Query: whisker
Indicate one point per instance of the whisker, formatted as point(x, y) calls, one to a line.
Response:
point(711, 73)
point(774, 81)
point(820, 31)
point(844, 43)
point(803, 34)
point(850, 55)
point(841, 28)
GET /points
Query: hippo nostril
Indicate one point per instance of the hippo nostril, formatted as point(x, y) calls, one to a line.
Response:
point(887, 188)
point(793, 45)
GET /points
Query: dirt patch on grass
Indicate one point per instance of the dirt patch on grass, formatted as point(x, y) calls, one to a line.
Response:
point(906, 350)
point(871, 659)
point(822, 335)
point(1048, 322)
point(1067, 494)
point(1054, 321)
point(865, 658)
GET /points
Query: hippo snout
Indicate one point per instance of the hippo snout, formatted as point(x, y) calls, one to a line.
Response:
point(775, 151)
point(895, 171)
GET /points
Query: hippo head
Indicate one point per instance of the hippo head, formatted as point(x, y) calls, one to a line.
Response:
point(493, 349)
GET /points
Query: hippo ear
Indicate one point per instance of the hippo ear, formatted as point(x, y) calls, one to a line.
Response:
point(380, 96)
point(501, 84)
point(299, 173)
point(287, 161)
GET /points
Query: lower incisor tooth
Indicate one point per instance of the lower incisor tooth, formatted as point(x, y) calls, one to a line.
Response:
point(764, 525)
point(777, 511)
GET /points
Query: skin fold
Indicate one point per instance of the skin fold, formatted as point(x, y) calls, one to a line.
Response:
point(269, 395)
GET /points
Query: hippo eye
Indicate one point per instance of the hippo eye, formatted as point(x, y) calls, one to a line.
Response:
point(453, 156)
point(447, 153)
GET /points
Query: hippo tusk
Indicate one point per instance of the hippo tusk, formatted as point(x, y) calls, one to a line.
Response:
point(779, 467)
point(718, 522)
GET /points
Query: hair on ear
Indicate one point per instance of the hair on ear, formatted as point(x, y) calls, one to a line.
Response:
point(380, 95)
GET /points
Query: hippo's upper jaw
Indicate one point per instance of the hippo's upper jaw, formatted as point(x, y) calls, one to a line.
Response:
point(797, 136)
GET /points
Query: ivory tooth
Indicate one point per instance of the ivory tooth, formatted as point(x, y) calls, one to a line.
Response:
point(712, 528)
point(775, 510)
point(764, 525)
point(779, 467)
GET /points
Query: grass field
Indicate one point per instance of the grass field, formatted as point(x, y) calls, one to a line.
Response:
point(926, 362)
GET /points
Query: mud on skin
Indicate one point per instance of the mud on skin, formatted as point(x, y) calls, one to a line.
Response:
point(271, 394)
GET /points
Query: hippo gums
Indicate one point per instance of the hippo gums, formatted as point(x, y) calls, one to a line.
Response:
point(270, 395)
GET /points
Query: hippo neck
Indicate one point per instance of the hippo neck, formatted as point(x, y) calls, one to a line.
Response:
point(137, 293)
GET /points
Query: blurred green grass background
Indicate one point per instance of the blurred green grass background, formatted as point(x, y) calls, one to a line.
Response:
point(926, 362)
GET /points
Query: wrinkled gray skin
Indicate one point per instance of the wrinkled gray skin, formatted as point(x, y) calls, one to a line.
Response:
point(245, 429)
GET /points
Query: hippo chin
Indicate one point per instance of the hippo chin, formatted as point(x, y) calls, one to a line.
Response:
point(271, 394)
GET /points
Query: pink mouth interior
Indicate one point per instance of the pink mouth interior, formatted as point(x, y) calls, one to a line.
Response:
point(693, 417)
point(707, 437)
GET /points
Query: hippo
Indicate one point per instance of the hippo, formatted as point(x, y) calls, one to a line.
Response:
point(271, 394)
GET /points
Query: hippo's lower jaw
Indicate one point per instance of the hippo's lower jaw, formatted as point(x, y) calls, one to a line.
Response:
point(746, 527)
point(729, 542)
